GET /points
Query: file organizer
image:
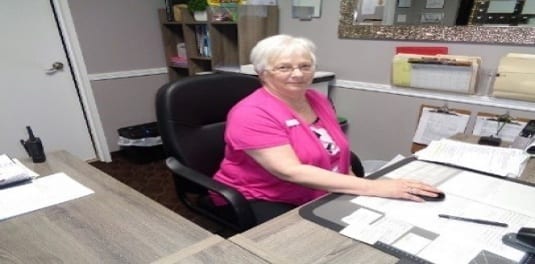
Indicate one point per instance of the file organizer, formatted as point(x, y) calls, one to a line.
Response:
point(449, 73)
point(515, 77)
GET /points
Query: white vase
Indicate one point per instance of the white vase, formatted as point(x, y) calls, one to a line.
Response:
point(200, 15)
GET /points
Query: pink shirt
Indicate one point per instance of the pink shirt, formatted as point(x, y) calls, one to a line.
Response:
point(262, 121)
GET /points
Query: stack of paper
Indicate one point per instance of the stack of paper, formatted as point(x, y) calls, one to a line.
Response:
point(506, 162)
point(40, 193)
point(12, 171)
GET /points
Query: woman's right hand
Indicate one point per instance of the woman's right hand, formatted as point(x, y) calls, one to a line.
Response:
point(403, 189)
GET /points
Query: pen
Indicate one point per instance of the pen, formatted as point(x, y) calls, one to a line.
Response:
point(479, 221)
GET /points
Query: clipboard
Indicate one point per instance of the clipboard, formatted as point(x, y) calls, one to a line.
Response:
point(503, 126)
point(437, 122)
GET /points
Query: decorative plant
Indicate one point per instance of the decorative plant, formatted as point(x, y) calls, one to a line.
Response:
point(197, 5)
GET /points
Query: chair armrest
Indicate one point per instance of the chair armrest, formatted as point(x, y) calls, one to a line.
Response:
point(239, 204)
point(356, 165)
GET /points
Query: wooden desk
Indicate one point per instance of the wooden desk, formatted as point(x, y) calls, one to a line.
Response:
point(214, 249)
point(116, 224)
point(290, 238)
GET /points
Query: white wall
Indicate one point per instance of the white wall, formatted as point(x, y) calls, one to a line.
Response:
point(123, 36)
point(118, 40)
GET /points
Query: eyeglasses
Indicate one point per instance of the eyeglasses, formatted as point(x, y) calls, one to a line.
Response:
point(288, 68)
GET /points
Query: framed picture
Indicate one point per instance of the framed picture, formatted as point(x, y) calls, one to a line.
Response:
point(432, 18)
point(404, 3)
point(434, 4)
point(306, 9)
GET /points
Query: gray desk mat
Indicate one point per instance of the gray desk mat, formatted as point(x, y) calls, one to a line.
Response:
point(329, 210)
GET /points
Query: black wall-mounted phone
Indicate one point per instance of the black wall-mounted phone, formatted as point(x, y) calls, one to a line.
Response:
point(525, 138)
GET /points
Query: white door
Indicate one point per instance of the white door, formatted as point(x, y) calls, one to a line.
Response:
point(32, 95)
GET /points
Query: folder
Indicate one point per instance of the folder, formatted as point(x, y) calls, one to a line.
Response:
point(451, 73)
point(516, 77)
point(435, 123)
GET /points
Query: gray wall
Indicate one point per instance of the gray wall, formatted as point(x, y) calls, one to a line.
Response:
point(121, 36)
point(117, 36)
point(381, 125)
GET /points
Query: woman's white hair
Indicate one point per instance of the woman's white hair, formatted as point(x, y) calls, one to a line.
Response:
point(270, 48)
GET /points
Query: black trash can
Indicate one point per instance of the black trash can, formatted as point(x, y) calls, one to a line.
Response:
point(141, 143)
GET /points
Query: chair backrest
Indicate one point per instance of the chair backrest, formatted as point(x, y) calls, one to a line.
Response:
point(191, 114)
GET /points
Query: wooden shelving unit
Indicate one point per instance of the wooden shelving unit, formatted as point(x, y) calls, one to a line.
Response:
point(230, 42)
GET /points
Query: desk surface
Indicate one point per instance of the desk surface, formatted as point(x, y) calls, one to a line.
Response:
point(214, 249)
point(292, 239)
point(116, 224)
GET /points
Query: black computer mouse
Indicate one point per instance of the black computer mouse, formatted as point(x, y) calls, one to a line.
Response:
point(440, 196)
point(526, 235)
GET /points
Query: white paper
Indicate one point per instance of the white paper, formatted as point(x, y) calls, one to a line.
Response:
point(506, 162)
point(435, 126)
point(39, 193)
point(26, 169)
point(468, 194)
point(11, 172)
point(361, 216)
point(412, 243)
point(385, 230)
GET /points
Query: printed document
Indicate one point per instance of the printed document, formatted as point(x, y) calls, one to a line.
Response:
point(506, 162)
point(416, 228)
point(435, 125)
point(12, 171)
point(39, 193)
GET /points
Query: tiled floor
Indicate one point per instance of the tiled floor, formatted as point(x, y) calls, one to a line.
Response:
point(154, 180)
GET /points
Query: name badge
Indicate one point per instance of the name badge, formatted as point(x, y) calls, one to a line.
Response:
point(292, 122)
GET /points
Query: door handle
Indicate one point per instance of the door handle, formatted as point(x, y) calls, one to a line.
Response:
point(56, 66)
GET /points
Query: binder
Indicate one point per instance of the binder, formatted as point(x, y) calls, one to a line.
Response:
point(451, 73)
point(437, 122)
point(503, 126)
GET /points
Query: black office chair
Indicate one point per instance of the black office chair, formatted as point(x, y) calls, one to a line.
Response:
point(191, 115)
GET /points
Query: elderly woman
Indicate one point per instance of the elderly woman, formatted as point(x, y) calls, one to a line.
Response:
point(284, 146)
